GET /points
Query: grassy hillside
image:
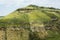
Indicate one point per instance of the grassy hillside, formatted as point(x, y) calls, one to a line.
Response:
point(44, 19)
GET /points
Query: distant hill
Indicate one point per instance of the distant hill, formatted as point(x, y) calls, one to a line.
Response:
point(1, 16)
point(45, 18)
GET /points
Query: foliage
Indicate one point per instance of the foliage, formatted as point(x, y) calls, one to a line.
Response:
point(49, 17)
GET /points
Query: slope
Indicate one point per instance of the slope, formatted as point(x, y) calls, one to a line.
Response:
point(43, 19)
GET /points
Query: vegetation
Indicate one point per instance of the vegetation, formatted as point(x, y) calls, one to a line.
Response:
point(43, 23)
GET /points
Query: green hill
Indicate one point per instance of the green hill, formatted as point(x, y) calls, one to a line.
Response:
point(32, 16)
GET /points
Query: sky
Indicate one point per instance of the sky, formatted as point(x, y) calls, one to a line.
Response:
point(8, 6)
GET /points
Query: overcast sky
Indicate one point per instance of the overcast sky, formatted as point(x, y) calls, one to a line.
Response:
point(7, 6)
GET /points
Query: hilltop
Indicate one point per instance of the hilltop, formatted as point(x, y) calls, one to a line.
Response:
point(32, 16)
point(33, 13)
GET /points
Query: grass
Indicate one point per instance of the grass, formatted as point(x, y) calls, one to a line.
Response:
point(38, 16)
